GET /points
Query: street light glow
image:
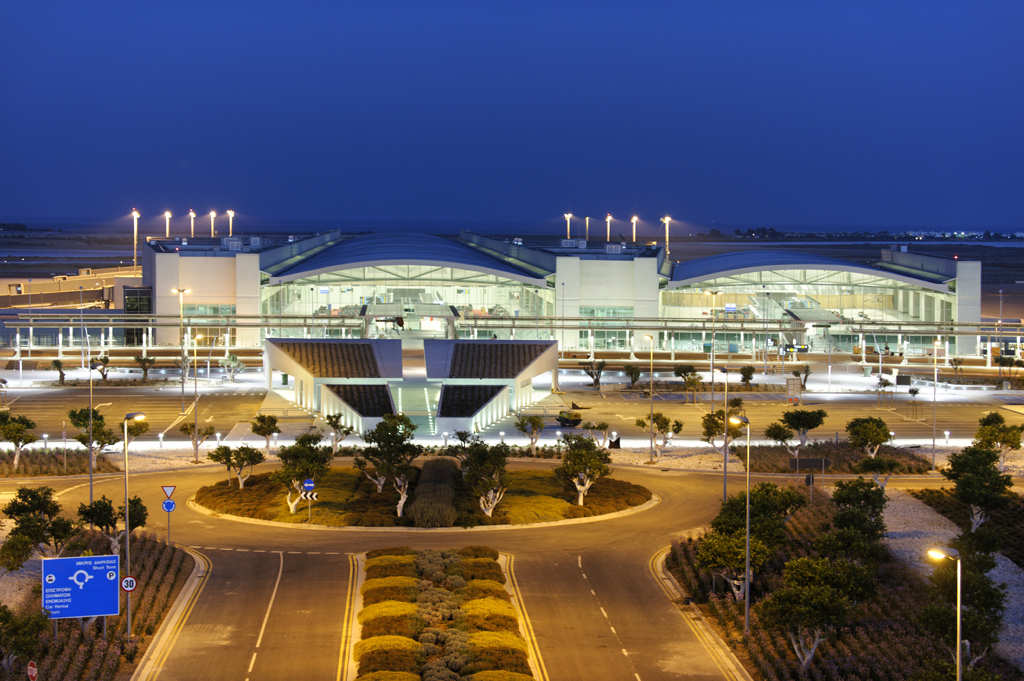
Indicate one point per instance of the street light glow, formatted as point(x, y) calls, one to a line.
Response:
point(135, 416)
point(167, 224)
point(667, 220)
point(738, 420)
point(608, 227)
point(213, 216)
point(192, 217)
point(942, 554)
point(634, 220)
point(231, 223)
point(568, 221)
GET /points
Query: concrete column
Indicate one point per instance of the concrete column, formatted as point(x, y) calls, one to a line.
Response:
point(863, 350)
point(60, 343)
point(554, 380)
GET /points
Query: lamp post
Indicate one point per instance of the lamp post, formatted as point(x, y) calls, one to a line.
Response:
point(935, 389)
point(650, 340)
point(737, 420)
point(131, 416)
point(213, 216)
point(231, 223)
point(135, 237)
point(93, 365)
point(181, 293)
point(568, 221)
point(586, 228)
point(725, 433)
point(608, 227)
point(714, 323)
point(667, 220)
point(634, 220)
point(167, 224)
point(951, 554)
point(192, 219)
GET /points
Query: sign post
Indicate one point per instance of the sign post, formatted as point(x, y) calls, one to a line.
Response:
point(308, 485)
point(168, 505)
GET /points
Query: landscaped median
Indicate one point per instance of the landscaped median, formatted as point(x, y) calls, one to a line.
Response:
point(440, 616)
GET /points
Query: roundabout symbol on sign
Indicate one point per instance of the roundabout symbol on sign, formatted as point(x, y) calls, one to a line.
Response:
point(128, 584)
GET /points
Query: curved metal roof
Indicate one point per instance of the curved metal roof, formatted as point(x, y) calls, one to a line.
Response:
point(405, 249)
point(725, 264)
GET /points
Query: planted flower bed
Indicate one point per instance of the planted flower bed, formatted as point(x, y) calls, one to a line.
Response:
point(438, 616)
point(54, 462)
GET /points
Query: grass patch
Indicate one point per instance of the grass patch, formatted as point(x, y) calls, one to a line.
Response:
point(1006, 524)
point(841, 459)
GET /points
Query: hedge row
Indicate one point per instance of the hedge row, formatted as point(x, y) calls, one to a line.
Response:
point(433, 502)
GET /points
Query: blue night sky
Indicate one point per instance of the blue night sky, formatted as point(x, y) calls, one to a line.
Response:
point(870, 113)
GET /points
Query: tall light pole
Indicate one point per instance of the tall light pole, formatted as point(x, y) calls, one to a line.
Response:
point(737, 420)
point(135, 238)
point(231, 223)
point(181, 293)
point(935, 390)
point(131, 416)
point(167, 224)
point(951, 554)
point(568, 222)
point(650, 341)
point(586, 228)
point(213, 216)
point(608, 227)
point(725, 434)
point(192, 223)
point(93, 365)
point(714, 328)
point(195, 392)
point(634, 220)
point(667, 220)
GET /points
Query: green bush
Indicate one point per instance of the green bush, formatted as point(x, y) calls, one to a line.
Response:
point(386, 609)
point(390, 566)
point(433, 502)
point(389, 589)
point(500, 650)
point(484, 588)
point(401, 625)
point(478, 552)
point(388, 653)
point(394, 676)
point(495, 675)
point(489, 614)
point(477, 568)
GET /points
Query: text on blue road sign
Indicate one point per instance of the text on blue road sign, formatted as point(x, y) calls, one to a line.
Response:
point(83, 586)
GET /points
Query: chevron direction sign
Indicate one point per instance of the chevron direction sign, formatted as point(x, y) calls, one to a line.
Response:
point(308, 496)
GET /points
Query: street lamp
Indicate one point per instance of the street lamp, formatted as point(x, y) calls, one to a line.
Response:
point(181, 293)
point(135, 237)
point(568, 221)
point(634, 220)
point(46, 442)
point(667, 220)
point(93, 365)
point(650, 341)
point(737, 420)
point(195, 391)
point(231, 223)
point(586, 228)
point(725, 433)
point(131, 416)
point(951, 554)
point(167, 224)
point(608, 227)
point(935, 388)
point(213, 216)
point(192, 219)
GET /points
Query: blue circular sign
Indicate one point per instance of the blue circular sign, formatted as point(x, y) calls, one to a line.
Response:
point(308, 485)
point(168, 505)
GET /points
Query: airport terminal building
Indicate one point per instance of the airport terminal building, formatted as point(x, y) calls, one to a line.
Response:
point(587, 296)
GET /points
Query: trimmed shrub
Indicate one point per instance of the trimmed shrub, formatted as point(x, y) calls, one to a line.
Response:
point(394, 676)
point(386, 609)
point(477, 568)
point(484, 588)
point(489, 614)
point(478, 552)
point(433, 502)
point(389, 589)
point(388, 653)
point(402, 625)
point(390, 566)
point(501, 650)
point(393, 551)
point(495, 675)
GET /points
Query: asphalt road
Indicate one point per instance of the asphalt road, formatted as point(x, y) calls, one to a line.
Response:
point(275, 602)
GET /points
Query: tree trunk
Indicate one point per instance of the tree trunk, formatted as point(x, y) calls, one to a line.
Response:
point(268, 445)
point(242, 479)
point(292, 505)
point(17, 457)
point(402, 487)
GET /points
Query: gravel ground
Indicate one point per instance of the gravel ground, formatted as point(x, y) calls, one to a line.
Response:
point(905, 517)
point(684, 458)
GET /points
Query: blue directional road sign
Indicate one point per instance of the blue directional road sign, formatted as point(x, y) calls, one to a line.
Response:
point(85, 586)
point(308, 485)
point(168, 505)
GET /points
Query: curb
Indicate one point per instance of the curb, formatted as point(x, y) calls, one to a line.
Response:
point(163, 642)
point(352, 630)
point(534, 659)
point(731, 668)
point(649, 504)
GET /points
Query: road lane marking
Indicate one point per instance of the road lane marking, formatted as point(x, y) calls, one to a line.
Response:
point(273, 595)
point(346, 634)
point(579, 561)
point(252, 661)
point(593, 593)
point(531, 636)
point(584, 575)
point(603, 612)
point(634, 674)
point(186, 612)
point(624, 653)
point(613, 630)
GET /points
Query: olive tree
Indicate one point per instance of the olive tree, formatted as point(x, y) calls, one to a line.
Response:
point(978, 481)
point(236, 460)
point(198, 435)
point(302, 460)
point(725, 555)
point(483, 468)
point(391, 451)
point(265, 426)
point(663, 428)
point(583, 464)
point(868, 433)
point(339, 431)
point(145, 363)
point(532, 426)
point(18, 431)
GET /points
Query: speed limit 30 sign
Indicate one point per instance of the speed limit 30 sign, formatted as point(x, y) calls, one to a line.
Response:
point(128, 584)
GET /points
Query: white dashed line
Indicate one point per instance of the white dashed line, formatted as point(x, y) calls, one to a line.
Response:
point(252, 661)
point(613, 630)
point(603, 612)
point(579, 561)
point(593, 593)
point(313, 553)
point(331, 553)
point(637, 676)
point(295, 553)
point(584, 575)
point(625, 653)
